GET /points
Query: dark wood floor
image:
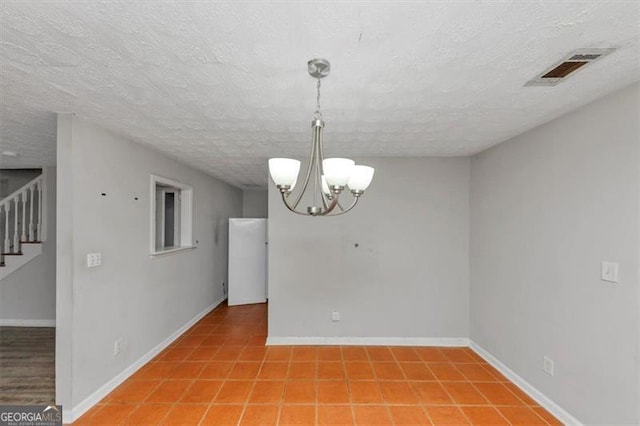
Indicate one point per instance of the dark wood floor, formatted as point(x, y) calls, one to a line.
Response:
point(27, 365)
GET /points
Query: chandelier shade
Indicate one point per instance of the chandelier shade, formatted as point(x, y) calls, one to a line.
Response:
point(360, 178)
point(284, 171)
point(329, 176)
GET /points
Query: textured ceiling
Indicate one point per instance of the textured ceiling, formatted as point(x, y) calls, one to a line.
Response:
point(223, 86)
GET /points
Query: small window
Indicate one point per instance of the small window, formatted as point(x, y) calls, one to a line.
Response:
point(171, 215)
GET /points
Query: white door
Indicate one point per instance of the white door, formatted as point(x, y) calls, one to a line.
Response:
point(247, 261)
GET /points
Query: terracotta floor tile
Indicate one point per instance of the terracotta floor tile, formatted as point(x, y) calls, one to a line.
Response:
point(407, 354)
point(245, 370)
point(273, 370)
point(464, 393)
point(259, 340)
point(416, 371)
point(267, 392)
point(252, 353)
point(237, 341)
point(278, 353)
point(330, 370)
point(216, 370)
point(169, 391)
point(222, 415)
point(521, 395)
point(260, 415)
point(302, 371)
point(214, 340)
point(430, 354)
point(332, 392)
point(227, 353)
point(446, 372)
point(388, 371)
point(365, 392)
point(358, 370)
point(431, 393)
point(234, 392)
point(521, 416)
point(154, 370)
point(191, 340)
point(379, 353)
point(495, 373)
point(111, 414)
point(334, 415)
point(219, 372)
point(498, 394)
point(329, 354)
point(186, 370)
point(488, 416)
point(371, 415)
point(354, 353)
point(411, 415)
point(447, 415)
point(185, 414)
point(202, 353)
point(297, 415)
point(475, 372)
point(303, 353)
point(398, 393)
point(132, 391)
point(148, 414)
point(547, 416)
point(299, 392)
point(201, 391)
point(457, 355)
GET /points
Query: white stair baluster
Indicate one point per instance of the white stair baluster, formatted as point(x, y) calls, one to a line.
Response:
point(32, 188)
point(7, 241)
point(16, 235)
point(39, 225)
point(24, 216)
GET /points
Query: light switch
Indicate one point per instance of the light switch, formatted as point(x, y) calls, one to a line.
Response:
point(94, 259)
point(609, 272)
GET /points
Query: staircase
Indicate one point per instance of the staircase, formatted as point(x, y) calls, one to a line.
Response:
point(22, 229)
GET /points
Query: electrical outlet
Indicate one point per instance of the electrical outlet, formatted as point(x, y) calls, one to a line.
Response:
point(117, 346)
point(609, 272)
point(94, 259)
point(547, 365)
point(335, 316)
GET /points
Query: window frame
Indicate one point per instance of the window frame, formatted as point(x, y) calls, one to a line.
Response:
point(186, 216)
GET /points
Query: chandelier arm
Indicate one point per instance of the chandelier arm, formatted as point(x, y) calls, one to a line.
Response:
point(289, 207)
point(355, 201)
point(331, 206)
point(309, 169)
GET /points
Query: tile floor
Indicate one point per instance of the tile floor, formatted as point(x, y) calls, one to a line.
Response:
point(220, 373)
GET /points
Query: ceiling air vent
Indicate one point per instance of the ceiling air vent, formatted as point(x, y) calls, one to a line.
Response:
point(568, 65)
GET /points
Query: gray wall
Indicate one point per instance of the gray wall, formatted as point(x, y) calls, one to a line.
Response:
point(255, 203)
point(407, 278)
point(546, 208)
point(29, 293)
point(141, 299)
point(15, 178)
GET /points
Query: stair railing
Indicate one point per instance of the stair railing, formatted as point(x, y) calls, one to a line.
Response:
point(21, 215)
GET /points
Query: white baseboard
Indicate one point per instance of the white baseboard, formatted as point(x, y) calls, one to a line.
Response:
point(560, 413)
point(27, 323)
point(71, 415)
point(371, 341)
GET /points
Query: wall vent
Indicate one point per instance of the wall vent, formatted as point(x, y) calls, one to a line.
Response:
point(574, 61)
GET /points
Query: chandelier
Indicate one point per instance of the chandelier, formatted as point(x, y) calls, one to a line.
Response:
point(330, 176)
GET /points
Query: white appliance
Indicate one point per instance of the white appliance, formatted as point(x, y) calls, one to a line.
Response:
point(247, 261)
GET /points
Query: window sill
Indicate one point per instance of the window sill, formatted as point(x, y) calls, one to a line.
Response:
point(169, 252)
